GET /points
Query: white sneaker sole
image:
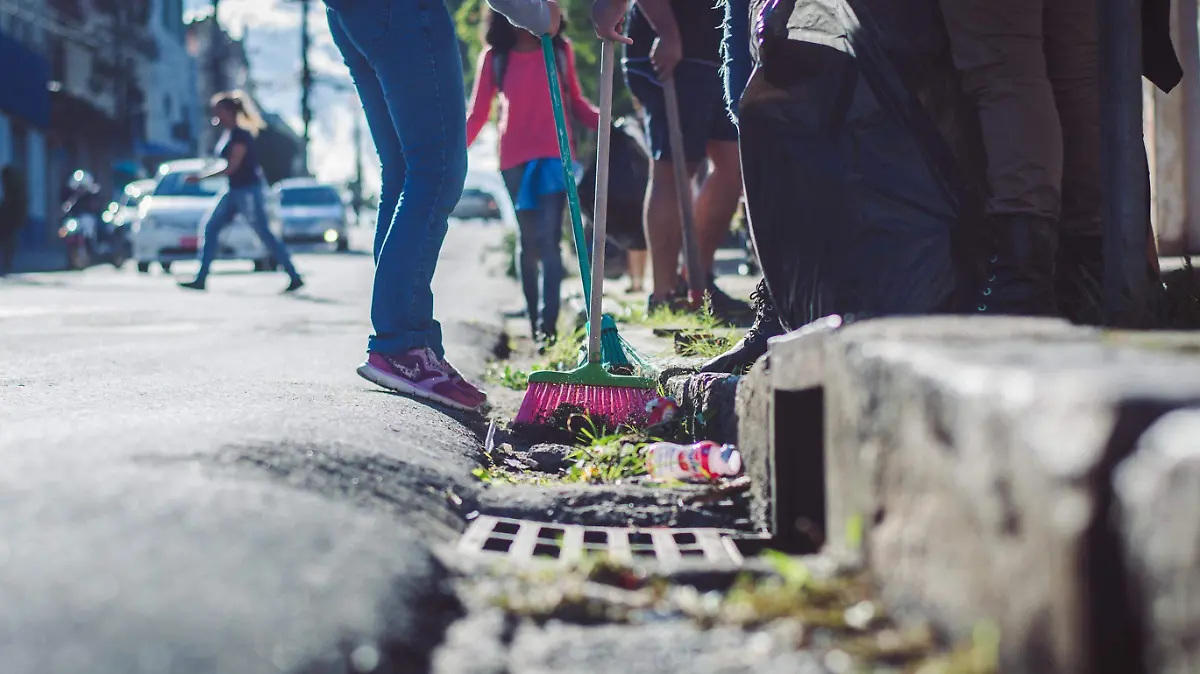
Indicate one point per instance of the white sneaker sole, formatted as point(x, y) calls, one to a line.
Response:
point(398, 385)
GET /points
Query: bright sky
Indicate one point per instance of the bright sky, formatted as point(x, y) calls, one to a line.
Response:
point(273, 46)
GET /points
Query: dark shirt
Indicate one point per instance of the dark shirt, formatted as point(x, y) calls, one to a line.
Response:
point(247, 173)
point(1160, 64)
point(699, 30)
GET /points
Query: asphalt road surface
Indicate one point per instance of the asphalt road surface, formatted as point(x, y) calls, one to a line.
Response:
point(199, 482)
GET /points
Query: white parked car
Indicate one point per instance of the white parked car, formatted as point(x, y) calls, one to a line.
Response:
point(169, 221)
point(314, 214)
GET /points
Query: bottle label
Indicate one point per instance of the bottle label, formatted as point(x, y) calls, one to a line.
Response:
point(694, 460)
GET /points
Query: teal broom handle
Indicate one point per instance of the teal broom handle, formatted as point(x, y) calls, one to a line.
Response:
point(564, 153)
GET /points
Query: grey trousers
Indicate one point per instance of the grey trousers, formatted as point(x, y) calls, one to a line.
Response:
point(1031, 68)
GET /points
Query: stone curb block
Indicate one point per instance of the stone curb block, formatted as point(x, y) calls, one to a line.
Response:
point(780, 405)
point(968, 462)
point(709, 400)
point(1157, 492)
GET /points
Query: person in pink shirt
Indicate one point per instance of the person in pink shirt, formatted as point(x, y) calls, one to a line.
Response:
point(513, 68)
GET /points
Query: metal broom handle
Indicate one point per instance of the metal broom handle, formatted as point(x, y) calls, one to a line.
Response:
point(600, 222)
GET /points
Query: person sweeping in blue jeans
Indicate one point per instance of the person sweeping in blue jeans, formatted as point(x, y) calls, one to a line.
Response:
point(234, 113)
point(404, 59)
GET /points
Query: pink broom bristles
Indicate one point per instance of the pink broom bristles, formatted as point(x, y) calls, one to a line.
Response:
point(617, 405)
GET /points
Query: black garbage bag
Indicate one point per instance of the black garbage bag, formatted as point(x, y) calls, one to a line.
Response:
point(628, 179)
point(861, 159)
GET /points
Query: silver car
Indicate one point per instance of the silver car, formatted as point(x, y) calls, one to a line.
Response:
point(314, 215)
point(169, 221)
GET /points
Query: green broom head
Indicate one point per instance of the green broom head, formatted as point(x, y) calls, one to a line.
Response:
point(612, 347)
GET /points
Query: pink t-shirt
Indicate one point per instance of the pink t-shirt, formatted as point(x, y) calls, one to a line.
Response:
point(526, 116)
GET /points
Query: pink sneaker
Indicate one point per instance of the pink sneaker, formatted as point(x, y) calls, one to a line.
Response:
point(419, 373)
point(462, 383)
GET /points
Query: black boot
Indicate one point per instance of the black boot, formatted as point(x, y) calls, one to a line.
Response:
point(751, 347)
point(1019, 276)
point(1079, 278)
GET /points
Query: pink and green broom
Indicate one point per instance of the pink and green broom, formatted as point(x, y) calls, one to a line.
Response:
point(588, 389)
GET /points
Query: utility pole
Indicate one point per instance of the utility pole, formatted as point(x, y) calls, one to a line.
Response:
point(216, 81)
point(120, 85)
point(358, 168)
point(306, 79)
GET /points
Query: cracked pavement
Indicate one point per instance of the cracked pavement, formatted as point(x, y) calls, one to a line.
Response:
point(199, 482)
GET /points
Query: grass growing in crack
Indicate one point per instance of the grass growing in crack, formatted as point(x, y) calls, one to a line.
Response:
point(563, 355)
point(565, 352)
point(839, 608)
point(666, 317)
point(608, 458)
point(706, 346)
point(507, 376)
point(493, 474)
point(695, 339)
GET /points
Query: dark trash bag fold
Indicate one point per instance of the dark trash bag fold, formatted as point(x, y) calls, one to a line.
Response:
point(861, 167)
point(628, 176)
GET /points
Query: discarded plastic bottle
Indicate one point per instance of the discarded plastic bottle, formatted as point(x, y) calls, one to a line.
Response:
point(705, 460)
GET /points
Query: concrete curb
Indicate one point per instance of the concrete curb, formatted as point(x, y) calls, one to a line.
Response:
point(1157, 492)
point(969, 463)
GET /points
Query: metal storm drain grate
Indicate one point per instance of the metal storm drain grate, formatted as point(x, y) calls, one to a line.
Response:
point(565, 543)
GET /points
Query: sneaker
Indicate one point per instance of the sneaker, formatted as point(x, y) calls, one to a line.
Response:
point(419, 373)
point(460, 381)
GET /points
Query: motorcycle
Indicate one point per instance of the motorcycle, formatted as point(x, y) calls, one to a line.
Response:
point(87, 229)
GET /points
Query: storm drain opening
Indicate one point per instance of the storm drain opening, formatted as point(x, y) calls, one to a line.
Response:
point(527, 540)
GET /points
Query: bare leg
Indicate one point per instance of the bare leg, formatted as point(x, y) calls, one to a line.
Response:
point(637, 270)
point(663, 233)
point(718, 199)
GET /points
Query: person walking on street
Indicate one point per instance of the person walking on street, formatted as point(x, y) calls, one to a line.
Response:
point(403, 56)
point(513, 67)
point(234, 113)
point(14, 211)
point(681, 39)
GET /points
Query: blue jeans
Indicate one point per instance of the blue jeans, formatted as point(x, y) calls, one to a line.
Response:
point(735, 52)
point(538, 245)
point(403, 56)
point(248, 201)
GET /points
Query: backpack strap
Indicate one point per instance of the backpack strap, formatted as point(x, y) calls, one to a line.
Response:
point(499, 65)
point(560, 54)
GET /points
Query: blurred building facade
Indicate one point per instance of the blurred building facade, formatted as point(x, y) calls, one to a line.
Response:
point(101, 85)
point(221, 65)
point(25, 104)
point(174, 120)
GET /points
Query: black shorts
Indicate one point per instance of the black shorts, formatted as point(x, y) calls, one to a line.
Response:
point(702, 113)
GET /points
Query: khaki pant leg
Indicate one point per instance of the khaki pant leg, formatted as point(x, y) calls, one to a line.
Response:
point(997, 46)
